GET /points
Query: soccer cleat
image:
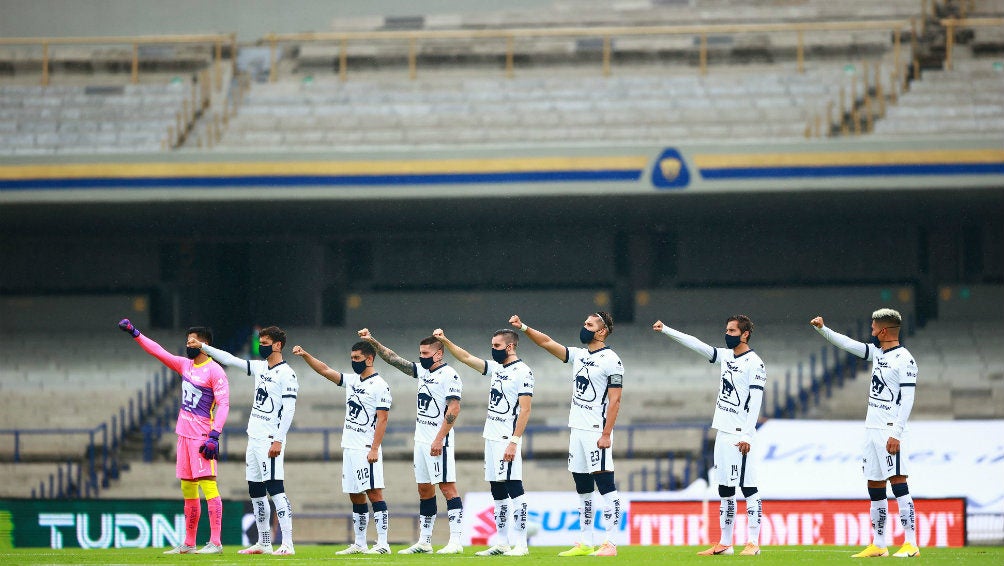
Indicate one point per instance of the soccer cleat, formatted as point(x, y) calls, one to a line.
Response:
point(497, 550)
point(379, 549)
point(181, 549)
point(751, 549)
point(257, 548)
point(518, 550)
point(606, 549)
point(872, 551)
point(451, 548)
point(908, 550)
point(718, 550)
point(210, 548)
point(285, 550)
point(578, 550)
point(352, 549)
point(417, 548)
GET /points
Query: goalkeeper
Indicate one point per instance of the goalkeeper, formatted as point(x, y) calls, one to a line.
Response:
point(205, 402)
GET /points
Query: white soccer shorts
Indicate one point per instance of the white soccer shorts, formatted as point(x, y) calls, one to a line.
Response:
point(584, 457)
point(358, 475)
point(260, 467)
point(877, 464)
point(434, 469)
point(496, 468)
point(733, 468)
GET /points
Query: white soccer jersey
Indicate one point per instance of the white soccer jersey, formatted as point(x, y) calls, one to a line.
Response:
point(509, 382)
point(593, 374)
point(435, 388)
point(271, 386)
point(363, 398)
point(892, 370)
point(740, 374)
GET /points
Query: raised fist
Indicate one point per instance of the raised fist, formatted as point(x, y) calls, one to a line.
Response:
point(658, 326)
point(128, 328)
point(515, 321)
point(365, 334)
point(438, 333)
point(817, 322)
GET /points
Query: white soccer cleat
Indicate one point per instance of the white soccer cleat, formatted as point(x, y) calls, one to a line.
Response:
point(417, 548)
point(352, 549)
point(497, 550)
point(285, 550)
point(210, 548)
point(257, 548)
point(181, 549)
point(379, 549)
point(518, 550)
point(451, 548)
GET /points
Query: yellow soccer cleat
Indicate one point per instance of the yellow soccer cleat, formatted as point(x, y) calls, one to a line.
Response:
point(717, 550)
point(872, 551)
point(751, 549)
point(907, 551)
point(578, 550)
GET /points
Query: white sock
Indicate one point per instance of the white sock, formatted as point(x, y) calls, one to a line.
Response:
point(456, 524)
point(284, 511)
point(262, 519)
point(612, 513)
point(754, 514)
point(727, 519)
point(586, 518)
point(382, 521)
point(360, 521)
point(425, 525)
point(519, 521)
point(880, 515)
point(908, 518)
point(502, 519)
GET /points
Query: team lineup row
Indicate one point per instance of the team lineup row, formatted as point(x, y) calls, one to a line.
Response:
point(597, 380)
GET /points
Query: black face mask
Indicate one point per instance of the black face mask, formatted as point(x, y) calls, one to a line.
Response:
point(585, 335)
point(731, 342)
point(265, 351)
point(426, 362)
point(359, 367)
point(192, 353)
point(499, 355)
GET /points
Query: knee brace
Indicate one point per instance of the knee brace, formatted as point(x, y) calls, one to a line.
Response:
point(274, 487)
point(256, 489)
point(877, 493)
point(900, 489)
point(724, 491)
point(605, 482)
point(515, 488)
point(748, 491)
point(190, 489)
point(583, 483)
point(210, 489)
point(499, 491)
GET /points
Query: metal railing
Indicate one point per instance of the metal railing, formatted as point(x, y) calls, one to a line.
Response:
point(606, 33)
point(952, 24)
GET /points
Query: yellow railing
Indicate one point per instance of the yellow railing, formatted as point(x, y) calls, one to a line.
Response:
point(952, 24)
point(217, 41)
point(607, 34)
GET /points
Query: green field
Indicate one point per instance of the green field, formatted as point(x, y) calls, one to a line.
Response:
point(539, 556)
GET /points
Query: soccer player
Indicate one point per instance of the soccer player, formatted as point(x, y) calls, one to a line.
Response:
point(367, 404)
point(272, 409)
point(737, 408)
point(597, 377)
point(439, 392)
point(509, 398)
point(890, 400)
point(205, 403)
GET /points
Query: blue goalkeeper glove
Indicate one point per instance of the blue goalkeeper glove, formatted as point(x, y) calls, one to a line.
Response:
point(127, 327)
point(210, 449)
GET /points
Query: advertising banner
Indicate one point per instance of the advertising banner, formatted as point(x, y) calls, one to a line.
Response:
point(102, 523)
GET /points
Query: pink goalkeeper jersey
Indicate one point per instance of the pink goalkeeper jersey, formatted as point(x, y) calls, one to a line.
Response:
point(205, 391)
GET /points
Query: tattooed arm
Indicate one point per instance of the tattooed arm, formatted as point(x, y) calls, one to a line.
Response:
point(388, 355)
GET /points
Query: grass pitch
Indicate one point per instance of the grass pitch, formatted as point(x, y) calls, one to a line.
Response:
point(539, 556)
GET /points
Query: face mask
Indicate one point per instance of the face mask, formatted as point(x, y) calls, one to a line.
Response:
point(499, 355)
point(585, 335)
point(192, 353)
point(264, 351)
point(359, 367)
point(731, 342)
point(426, 362)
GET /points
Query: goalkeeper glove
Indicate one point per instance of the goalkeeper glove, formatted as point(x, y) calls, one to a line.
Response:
point(127, 327)
point(210, 449)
